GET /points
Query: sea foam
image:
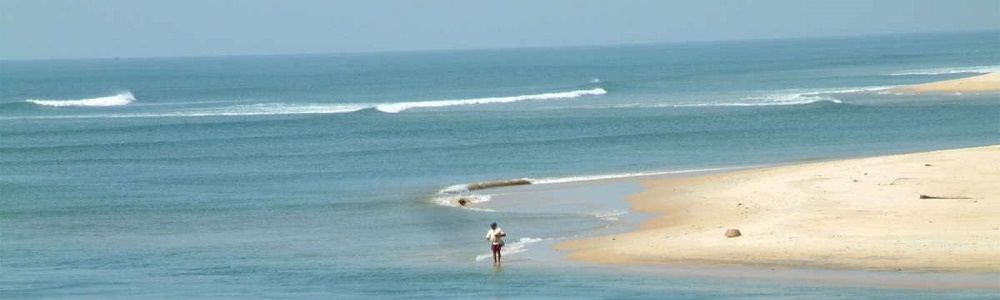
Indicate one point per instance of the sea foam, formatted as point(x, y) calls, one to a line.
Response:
point(519, 246)
point(782, 97)
point(401, 106)
point(466, 187)
point(552, 180)
point(451, 195)
point(453, 201)
point(768, 100)
point(264, 109)
point(610, 216)
point(123, 98)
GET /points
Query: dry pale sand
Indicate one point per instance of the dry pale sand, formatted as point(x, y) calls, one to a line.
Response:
point(858, 214)
point(981, 83)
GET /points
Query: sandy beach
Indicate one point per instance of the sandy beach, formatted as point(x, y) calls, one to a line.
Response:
point(980, 83)
point(931, 211)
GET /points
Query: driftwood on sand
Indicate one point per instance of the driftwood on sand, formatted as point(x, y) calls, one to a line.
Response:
point(922, 196)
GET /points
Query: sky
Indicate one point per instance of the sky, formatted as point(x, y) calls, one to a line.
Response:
point(42, 29)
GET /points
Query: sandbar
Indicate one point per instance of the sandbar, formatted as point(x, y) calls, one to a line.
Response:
point(981, 83)
point(933, 211)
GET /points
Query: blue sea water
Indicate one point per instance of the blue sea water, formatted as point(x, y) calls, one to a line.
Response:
point(331, 176)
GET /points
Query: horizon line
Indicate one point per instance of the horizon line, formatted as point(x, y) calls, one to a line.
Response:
point(433, 50)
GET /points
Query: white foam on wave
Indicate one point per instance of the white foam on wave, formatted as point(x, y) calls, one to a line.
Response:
point(552, 180)
point(455, 189)
point(449, 196)
point(610, 216)
point(856, 89)
point(273, 109)
point(452, 201)
point(784, 97)
point(123, 98)
point(459, 189)
point(401, 106)
point(511, 248)
point(467, 187)
point(238, 110)
point(766, 100)
point(945, 71)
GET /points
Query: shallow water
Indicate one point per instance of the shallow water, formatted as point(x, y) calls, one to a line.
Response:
point(300, 176)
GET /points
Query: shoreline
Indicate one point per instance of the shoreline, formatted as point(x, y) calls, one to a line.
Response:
point(855, 214)
point(988, 82)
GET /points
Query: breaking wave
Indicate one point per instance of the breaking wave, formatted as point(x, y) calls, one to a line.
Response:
point(120, 99)
point(769, 100)
point(780, 98)
point(401, 106)
point(945, 71)
point(269, 109)
point(290, 108)
point(792, 100)
point(238, 110)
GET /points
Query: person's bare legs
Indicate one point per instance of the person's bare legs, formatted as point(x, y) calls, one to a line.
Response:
point(496, 253)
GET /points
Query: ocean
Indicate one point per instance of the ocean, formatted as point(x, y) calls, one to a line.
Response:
point(335, 175)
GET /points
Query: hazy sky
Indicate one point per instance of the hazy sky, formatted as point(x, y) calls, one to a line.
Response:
point(38, 29)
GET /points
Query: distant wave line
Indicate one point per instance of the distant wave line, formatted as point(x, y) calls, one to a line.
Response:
point(745, 104)
point(123, 98)
point(945, 71)
point(274, 109)
point(401, 106)
point(293, 108)
point(783, 98)
point(240, 110)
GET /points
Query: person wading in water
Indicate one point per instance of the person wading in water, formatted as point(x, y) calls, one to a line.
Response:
point(495, 236)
